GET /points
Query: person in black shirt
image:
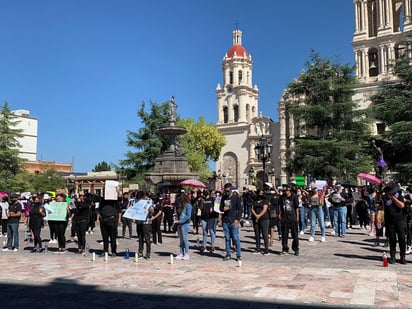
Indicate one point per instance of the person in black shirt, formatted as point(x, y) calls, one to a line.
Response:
point(108, 217)
point(288, 216)
point(126, 222)
point(395, 221)
point(260, 217)
point(13, 220)
point(208, 220)
point(81, 214)
point(157, 220)
point(231, 208)
point(37, 213)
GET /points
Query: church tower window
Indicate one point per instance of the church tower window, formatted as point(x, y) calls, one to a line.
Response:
point(236, 113)
point(225, 115)
point(231, 77)
point(240, 76)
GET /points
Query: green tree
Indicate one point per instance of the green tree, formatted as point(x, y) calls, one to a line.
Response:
point(202, 143)
point(335, 132)
point(10, 163)
point(102, 167)
point(146, 142)
point(49, 180)
point(392, 104)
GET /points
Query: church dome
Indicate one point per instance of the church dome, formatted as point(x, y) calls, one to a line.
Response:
point(239, 50)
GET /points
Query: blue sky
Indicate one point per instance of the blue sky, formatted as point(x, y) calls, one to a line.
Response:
point(82, 68)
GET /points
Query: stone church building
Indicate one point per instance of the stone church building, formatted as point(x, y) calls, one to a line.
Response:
point(381, 28)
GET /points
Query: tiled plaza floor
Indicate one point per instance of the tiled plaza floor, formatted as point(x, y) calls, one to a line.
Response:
point(342, 272)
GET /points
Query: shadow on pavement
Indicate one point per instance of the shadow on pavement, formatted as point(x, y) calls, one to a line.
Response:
point(66, 293)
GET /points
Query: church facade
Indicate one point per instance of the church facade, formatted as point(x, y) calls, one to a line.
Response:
point(241, 123)
point(381, 30)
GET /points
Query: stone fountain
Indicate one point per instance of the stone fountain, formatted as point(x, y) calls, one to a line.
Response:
point(171, 167)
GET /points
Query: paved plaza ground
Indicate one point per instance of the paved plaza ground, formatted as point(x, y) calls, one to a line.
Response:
point(339, 273)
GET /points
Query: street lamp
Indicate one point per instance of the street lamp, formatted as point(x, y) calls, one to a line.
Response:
point(263, 151)
point(272, 173)
point(219, 176)
point(252, 174)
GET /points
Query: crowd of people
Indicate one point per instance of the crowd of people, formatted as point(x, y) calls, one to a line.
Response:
point(383, 211)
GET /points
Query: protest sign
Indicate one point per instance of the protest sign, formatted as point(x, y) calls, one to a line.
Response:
point(110, 190)
point(139, 210)
point(58, 211)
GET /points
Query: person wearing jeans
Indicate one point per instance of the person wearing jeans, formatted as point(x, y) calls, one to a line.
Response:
point(316, 213)
point(208, 220)
point(339, 212)
point(231, 208)
point(13, 220)
point(184, 214)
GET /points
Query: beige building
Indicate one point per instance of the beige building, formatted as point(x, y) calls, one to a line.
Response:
point(381, 28)
point(28, 136)
point(240, 122)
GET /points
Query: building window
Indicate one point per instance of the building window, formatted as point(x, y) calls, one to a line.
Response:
point(240, 76)
point(225, 115)
point(231, 77)
point(380, 128)
point(373, 62)
point(236, 113)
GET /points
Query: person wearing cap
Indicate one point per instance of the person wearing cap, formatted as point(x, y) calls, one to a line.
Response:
point(231, 208)
point(288, 216)
point(13, 220)
point(395, 221)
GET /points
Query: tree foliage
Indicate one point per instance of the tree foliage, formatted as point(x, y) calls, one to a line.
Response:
point(335, 132)
point(202, 143)
point(392, 104)
point(146, 143)
point(10, 163)
point(46, 181)
point(102, 167)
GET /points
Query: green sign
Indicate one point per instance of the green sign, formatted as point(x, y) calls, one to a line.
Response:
point(300, 181)
point(58, 211)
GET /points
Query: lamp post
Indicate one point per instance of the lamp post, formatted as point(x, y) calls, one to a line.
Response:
point(263, 151)
point(272, 173)
point(252, 175)
point(219, 176)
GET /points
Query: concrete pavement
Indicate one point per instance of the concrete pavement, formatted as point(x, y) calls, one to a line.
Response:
point(341, 272)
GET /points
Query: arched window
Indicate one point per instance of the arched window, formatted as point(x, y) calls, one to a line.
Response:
point(373, 62)
point(236, 113)
point(372, 19)
point(247, 112)
point(225, 115)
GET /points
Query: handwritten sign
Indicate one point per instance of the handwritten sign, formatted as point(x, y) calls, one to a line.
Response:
point(139, 210)
point(58, 211)
point(110, 190)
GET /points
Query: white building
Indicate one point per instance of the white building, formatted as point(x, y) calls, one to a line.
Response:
point(239, 121)
point(28, 136)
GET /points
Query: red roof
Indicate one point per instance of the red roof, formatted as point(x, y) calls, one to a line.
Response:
point(240, 51)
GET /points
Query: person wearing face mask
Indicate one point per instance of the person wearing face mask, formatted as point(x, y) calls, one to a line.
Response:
point(395, 221)
point(231, 209)
point(37, 213)
point(13, 219)
point(316, 213)
point(260, 217)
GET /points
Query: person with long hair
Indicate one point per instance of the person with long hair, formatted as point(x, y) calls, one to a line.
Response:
point(36, 215)
point(184, 213)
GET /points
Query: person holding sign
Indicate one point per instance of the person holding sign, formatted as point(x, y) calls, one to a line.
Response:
point(144, 223)
point(60, 214)
point(108, 217)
